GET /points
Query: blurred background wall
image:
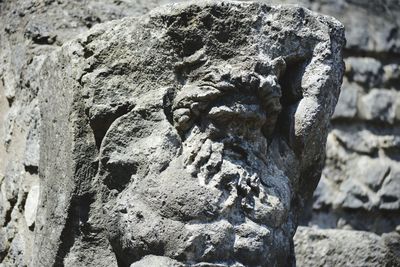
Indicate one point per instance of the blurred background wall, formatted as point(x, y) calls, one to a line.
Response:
point(360, 185)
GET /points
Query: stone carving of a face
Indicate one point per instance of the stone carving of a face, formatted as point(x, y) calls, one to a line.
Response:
point(207, 190)
point(197, 134)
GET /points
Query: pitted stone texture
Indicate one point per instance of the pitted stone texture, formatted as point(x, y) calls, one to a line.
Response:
point(194, 133)
point(316, 247)
point(29, 30)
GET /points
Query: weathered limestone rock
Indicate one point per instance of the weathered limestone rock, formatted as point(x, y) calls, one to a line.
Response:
point(194, 133)
point(29, 30)
point(316, 247)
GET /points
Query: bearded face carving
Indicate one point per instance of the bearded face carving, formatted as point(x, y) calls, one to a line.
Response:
point(225, 119)
point(218, 197)
point(198, 133)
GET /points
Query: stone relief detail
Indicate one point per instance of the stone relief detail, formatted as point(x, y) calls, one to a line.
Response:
point(214, 184)
point(197, 135)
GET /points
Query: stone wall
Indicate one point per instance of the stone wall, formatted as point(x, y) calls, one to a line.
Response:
point(337, 247)
point(360, 185)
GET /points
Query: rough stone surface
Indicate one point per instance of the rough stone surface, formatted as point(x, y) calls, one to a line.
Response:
point(29, 30)
point(316, 247)
point(193, 133)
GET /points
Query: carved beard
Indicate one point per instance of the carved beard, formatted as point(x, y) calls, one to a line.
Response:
point(235, 164)
point(224, 121)
point(231, 160)
point(220, 195)
point(221, 191)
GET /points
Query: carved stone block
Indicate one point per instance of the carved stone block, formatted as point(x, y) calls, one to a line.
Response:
point(193, 135)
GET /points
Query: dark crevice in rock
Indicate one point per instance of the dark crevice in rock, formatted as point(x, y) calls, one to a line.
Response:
point(32, 169)
point(292, 93)
point(290, 81)
point(120, 262)
point(285, 124)
point(87, 52)
point(10, 101)
point(3, 254)
point(393, 83)
point(363, 198)
point(84, 208)
point(44, 40)
point(372, 154)
point(76, 224)
point(68, 235)
point(120, 174)
point(378, 221)
point(386, 57)
point(32, 227)
point(167, 105)
point(90, 21)
point(7, 217)
point(21, 205)
point(393, 153)
point(389, 198)
point(101, 123)
point(237, 149)
point(385, 176)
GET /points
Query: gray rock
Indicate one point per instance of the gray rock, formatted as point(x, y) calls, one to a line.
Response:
point(31, 157)
point(390, 191)
point(29, 30)
point(370, 25)
point(355, 195)
point(391, 75)
point(11, 182)
point(359, 189)
point(363, 141)
point(315, 247)
point(157, 261)
point(15, 255)
point(9, 84)
point(4, 244)
point(379, 105)
point(348, 99)
point(193, 133)
point(364, 70)
point(31, 205)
